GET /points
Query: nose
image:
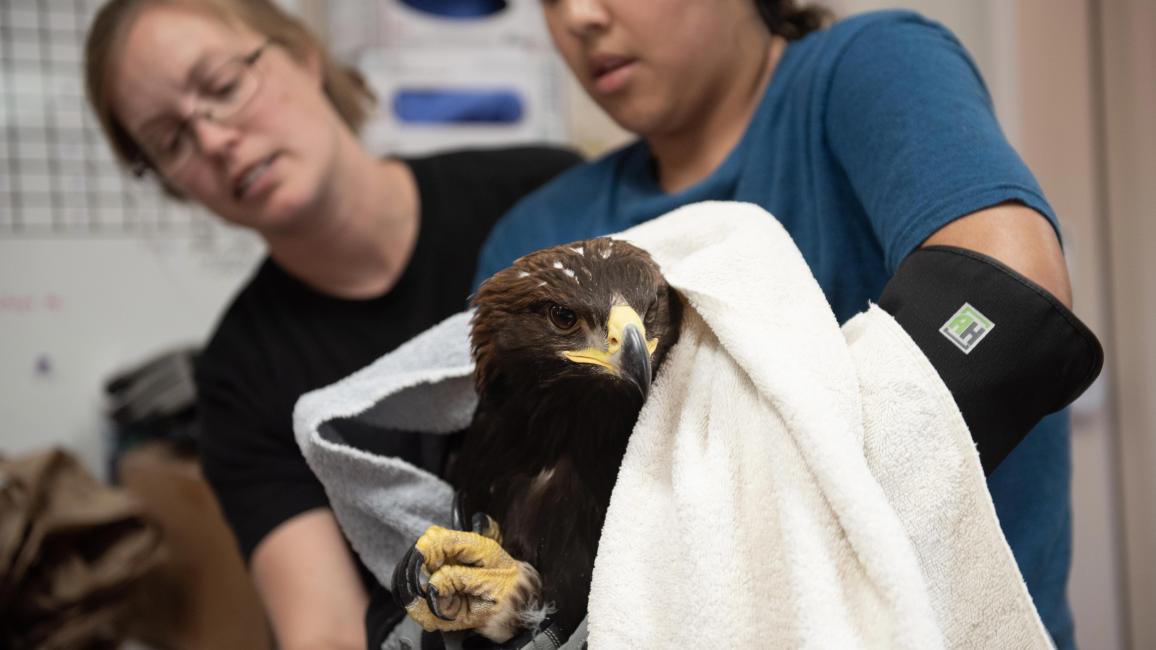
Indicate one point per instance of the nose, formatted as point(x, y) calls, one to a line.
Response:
point(213, 137)
point(585, 17)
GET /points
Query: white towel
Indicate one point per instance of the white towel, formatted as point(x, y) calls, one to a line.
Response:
point(789, 483)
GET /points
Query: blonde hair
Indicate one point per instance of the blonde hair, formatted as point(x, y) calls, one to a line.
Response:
point(343, 85)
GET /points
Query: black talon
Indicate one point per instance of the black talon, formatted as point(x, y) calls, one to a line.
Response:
point(431, 599)
point(415, 576)
point(459, 512)
point(480, 524)
point(407, 578)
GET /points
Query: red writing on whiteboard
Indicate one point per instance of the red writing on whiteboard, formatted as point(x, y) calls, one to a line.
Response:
point(16, 303)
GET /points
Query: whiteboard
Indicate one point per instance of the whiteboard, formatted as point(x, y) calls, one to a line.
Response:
point(98, 270)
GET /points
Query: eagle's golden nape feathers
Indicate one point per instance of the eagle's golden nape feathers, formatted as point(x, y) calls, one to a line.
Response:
point(566, 341)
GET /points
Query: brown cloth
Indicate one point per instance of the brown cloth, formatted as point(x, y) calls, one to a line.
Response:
point(200, 598)
point(71, 552)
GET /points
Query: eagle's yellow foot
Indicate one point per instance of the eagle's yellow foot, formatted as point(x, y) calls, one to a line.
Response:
point(456, 580)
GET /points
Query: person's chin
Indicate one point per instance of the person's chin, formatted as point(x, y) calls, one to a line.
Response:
point(637, 120)
point(285, 212)
point(278, 220)
point(630, 111)
point(277, 212)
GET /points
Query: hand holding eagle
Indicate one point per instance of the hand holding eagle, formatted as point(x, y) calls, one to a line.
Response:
point(566, 343)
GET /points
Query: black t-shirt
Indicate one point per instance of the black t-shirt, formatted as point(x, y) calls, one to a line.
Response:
point(280, 338)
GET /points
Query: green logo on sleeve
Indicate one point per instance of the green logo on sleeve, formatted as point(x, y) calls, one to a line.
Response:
point(966, 328)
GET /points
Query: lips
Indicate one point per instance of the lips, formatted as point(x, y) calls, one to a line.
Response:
point(605, 67)
point(250, 175)
point(600, 64)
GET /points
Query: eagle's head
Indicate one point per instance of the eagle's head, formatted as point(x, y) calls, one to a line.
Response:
point(597, 312)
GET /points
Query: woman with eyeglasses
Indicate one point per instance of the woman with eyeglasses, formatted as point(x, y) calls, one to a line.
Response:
point(237, 106)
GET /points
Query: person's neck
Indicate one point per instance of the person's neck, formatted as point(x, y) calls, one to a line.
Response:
point(689, 155)
point(361, 245)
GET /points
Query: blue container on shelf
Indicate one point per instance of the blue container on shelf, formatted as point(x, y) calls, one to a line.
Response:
point(457, 106)
point(457, 9)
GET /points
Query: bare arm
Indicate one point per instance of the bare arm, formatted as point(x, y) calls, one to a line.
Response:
point(1019, 237)
point(309, 584)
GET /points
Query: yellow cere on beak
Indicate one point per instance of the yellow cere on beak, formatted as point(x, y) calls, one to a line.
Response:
point(621, 316)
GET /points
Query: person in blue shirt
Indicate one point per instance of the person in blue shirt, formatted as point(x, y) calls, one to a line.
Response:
point(867, 139)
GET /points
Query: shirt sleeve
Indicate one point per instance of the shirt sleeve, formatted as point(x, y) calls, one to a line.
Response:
point(910, 121)
point(257, 473)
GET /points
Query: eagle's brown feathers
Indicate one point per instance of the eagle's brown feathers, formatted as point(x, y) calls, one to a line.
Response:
point(543, 451)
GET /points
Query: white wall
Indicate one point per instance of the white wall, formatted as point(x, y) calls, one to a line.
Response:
point(74, 311)
point(97, 272)
point(1058, 138)
point(1128, 69)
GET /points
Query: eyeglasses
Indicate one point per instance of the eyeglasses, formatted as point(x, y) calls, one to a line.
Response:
point(224, 92)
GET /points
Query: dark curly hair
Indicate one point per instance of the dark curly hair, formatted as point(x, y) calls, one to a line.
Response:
point(785, 18)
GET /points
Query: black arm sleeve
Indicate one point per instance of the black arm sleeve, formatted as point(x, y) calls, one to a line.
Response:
point(1007, 349)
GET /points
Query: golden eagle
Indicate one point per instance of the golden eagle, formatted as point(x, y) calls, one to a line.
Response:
point(566, 343)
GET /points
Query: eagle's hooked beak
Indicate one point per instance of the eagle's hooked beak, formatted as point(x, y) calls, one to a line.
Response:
point(627, 352)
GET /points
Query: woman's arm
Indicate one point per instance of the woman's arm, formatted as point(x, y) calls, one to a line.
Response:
point(309, 584)
point(1010, 280)
point(1019, 237)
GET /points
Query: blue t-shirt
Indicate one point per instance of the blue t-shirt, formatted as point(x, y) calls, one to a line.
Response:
point(872, 135)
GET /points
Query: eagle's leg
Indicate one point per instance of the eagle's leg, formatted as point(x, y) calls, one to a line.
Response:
point(459, 580)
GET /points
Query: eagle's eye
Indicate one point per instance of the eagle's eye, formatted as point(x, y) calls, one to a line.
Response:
point(562, 318)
